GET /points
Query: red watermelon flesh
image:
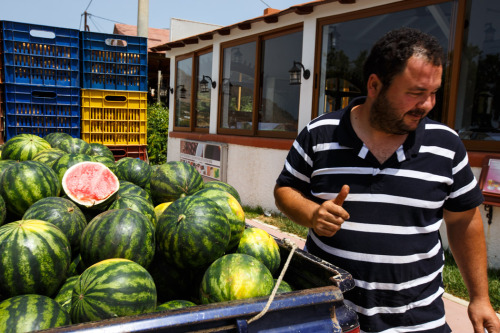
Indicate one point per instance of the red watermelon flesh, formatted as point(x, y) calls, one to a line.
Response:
point(90, 183)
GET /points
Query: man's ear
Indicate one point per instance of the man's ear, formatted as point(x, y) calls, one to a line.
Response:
point(374, 85)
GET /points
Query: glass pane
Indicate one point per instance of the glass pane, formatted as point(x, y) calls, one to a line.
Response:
point(478, 98)
point(183, 93)
point(346, 45)
point(279, 108)
point(203, 97)
point(238, 86)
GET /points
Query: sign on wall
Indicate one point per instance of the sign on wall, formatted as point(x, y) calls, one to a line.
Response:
point(208, 158)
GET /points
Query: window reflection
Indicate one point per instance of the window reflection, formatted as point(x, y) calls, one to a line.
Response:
point(203, 98)
point(183, 93)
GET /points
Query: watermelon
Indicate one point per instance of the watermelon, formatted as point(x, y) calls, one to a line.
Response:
point(223, 186)
point(192, 232)
point(64, 214)
point(23, 147)
point(118, 233)
point(90, 185)
point(173, 180)
point(49, 156)
point(3, 210)
point(63, 163)
point(112, 288)
point(133, 170)
point(284, 287)
point(110, 163)
point(261, 245)
point(174, 304)
point(232, 209)
point(4, 164)
point(65, 293)
point(138, 204)
point(235, 276)
point(98, 149)
point(55, 137)
point(128, 188)
point(75, 146)
point(34, 258)
point(26, 313)
point(159, 209)
point(24, 183)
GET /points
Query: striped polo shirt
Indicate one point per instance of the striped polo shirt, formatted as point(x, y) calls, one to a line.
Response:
point(391, 243)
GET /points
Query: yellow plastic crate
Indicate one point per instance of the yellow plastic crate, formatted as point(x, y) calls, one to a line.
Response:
point(114, 117)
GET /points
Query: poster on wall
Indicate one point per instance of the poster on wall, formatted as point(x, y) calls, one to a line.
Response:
point(207, 157)
point(490, 180)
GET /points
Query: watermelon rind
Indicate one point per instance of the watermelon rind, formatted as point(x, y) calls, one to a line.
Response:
point(138, 204)
point(63, 296)
point(63, 163)
point(174, 304)
point(133, 170)
point(112, 288)
point(23, 147)
point(75, 146)
point(26, 313)
point(90, 185)
point(109, 162)
point(261, 245)
point(235, 276)
point(39, 268)
point(173, 180)
point(192, 232)
point(55, 137)
point(49, 156)
point(118, 233)
point(225, 187)
point(128, 188)
point(98, 149)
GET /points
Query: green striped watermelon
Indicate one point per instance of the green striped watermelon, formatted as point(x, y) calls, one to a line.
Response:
point(23, 147)
point(109, 162)
point(49, 156)
point(192, 232)
point(64, 214)
point(223, 186)
point(90, 185)
point(174, 304)
point(235, 276)
point(75, 146)
point(55, 137)
point(128, 188)
point(26, 313)
point(138, 204)
point(63, 163)
point(118, 233)
point(173, 180)
point(284, 287)
point(112, 288)
point(3, 210)
point(134, 170)
point(34, 258)
point(65, 293)
point(233, 210)
point(4, 164)
point(24, 183)
point(261, 245)
point(98, 149)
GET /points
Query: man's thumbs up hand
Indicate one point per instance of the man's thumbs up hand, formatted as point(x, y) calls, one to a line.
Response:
point(330, 215)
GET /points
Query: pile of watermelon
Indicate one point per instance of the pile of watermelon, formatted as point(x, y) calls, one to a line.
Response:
point(84, 238)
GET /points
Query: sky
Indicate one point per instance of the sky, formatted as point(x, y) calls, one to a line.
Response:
point(105, 13)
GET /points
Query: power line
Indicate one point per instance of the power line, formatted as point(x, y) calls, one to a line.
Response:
point(89, 5)
point(102, 18)
point(265, 3)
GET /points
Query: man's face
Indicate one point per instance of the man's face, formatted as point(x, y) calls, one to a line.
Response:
point(400, 107)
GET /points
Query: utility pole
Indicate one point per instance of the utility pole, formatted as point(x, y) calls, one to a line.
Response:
point(143, 18)
point(86, 28)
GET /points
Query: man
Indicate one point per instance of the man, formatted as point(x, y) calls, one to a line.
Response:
point(374, 182)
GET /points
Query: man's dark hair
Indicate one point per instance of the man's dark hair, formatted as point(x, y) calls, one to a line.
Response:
point(390, 54)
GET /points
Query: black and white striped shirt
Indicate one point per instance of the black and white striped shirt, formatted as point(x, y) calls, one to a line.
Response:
point(391, 243)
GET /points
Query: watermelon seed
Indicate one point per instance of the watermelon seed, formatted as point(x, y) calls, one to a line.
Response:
point(181, 217)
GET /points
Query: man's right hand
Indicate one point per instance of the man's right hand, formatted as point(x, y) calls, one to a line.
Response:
point(330, 215)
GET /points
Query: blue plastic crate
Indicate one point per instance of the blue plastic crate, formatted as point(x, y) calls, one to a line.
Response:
point(40, 55)
point(114, 62)
point(41, 110)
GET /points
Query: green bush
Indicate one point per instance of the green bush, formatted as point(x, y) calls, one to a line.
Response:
point(157, 133)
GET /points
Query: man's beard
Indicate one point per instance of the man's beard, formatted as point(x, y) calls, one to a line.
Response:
point(385, 117)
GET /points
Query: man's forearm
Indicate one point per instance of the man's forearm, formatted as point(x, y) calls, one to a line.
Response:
point(294, 205)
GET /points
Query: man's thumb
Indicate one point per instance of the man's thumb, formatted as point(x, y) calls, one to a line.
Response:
point(344, 191)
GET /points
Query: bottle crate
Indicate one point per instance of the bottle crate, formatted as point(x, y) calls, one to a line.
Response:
point(133, 151)
point(113, 117)
point(2, 113)
point(41, 110)
point(40, 55)
point(114, 62)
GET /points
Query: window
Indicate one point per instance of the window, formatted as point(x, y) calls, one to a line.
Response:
point(256, 97)
point(192, 106)
point(478, 98)
point(345, 46)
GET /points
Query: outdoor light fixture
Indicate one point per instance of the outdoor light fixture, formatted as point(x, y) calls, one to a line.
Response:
point(204, 84)
point(295, 73)
point(182, 91)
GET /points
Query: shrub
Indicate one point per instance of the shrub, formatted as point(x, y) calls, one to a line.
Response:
point(157, 133)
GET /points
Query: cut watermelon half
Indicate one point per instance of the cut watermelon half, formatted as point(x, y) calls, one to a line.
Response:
point(90, 184)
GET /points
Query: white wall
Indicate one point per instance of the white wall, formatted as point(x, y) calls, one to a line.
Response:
point(180, 29)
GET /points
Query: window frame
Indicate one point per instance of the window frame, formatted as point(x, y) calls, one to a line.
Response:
point(194, 90)
point(257, 93)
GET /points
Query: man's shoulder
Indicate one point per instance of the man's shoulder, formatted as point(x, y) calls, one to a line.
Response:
point(434, 129)
point(333, 118)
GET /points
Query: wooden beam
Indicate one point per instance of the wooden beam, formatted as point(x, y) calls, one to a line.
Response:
point(224, 31)
point(244, 26)
point(271, 19)
point(208, 36)
point(192, 40)
point(304, 10)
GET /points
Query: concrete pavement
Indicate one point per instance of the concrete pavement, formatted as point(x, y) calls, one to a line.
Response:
point(455, 308)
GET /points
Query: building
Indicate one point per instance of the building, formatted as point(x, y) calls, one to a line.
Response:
point(230, 86)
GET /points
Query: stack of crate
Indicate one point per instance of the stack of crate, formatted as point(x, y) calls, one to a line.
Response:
point(114, 92)
point(40, 79)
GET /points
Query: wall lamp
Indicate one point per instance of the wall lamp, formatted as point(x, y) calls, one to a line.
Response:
point(295, 73)
point(204, 84)
point(182, 91)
